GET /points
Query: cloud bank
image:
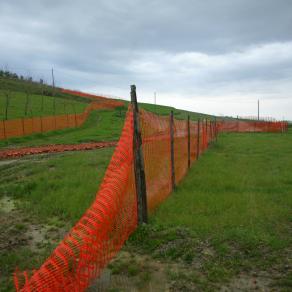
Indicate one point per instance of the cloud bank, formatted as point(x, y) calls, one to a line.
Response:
point(208, 56)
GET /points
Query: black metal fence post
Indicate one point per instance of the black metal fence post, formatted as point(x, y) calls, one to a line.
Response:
point(140, 180)
point(171, 125)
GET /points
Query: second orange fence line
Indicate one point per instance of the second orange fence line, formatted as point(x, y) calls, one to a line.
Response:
point(33, 125)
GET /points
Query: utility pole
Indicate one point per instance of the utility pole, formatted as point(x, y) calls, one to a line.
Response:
point(53, 80)
point(258, 109)
point(155, 98)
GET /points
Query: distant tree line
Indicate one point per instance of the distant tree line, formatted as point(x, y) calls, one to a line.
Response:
point(11, 75)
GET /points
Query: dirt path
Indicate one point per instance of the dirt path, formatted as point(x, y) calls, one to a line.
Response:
point(19, 152)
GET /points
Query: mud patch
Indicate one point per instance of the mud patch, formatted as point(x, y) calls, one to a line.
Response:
point(128, 272)
point(42, 235)
point(6, 204)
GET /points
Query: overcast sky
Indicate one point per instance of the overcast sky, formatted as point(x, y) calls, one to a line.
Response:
point(212, 56)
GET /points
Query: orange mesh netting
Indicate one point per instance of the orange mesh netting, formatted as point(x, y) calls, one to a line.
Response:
point(99, 234)
point(28, 126)
point(100, 99)
point(105, 226)
point(155, 133)
point(252, 126)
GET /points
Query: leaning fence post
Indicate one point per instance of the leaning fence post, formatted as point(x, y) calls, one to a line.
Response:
point(140, 180)
point(198, 139)
point(171, 126)
point(189, 142)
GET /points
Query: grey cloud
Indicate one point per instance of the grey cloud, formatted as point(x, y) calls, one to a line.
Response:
point(185, 47)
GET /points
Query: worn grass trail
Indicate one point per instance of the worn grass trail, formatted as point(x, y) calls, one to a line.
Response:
point(227, 225)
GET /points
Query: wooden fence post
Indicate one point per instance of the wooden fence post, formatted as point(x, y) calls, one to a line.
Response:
point(75, 115)
point(210, 128)
point(41, 124)
point(4, 130)
point(140, 180)
point(171, 126)
point(55, 122)
point(22, 122)
point(216, 130)
point(198, 139)
point(206, 132)
point(189, 142)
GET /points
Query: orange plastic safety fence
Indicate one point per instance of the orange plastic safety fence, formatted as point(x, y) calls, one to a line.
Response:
point(28, 126)
point(100, 99)
point(252, 126)
point(98, 235)
point(105, 226)
point(155, 132)
point(156, 142)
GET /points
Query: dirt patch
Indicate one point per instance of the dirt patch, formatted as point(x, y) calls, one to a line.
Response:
point(6, 204)
point(245, 282)
point(41, 235)
point(129, 272)
point(24, 239)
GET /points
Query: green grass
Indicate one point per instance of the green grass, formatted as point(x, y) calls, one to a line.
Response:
point(178, 113)
point(38, 105)
point(62, 185)
point(232, 213)
point(47, 190)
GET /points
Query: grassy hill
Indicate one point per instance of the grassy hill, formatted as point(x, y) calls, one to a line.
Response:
point(24, 99)
point(101, 125)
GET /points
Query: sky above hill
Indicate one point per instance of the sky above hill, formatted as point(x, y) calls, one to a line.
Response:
point(216, 57)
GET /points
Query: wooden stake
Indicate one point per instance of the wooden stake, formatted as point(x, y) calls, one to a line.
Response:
point(4, 129)
point(22, 121)
point(139, 162)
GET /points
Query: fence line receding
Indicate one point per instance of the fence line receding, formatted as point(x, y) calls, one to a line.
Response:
point(113, 216)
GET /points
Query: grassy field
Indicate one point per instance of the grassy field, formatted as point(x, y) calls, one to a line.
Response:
point(37, 105)
point(228, 222)
point(41, 197)
point(227, 225)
